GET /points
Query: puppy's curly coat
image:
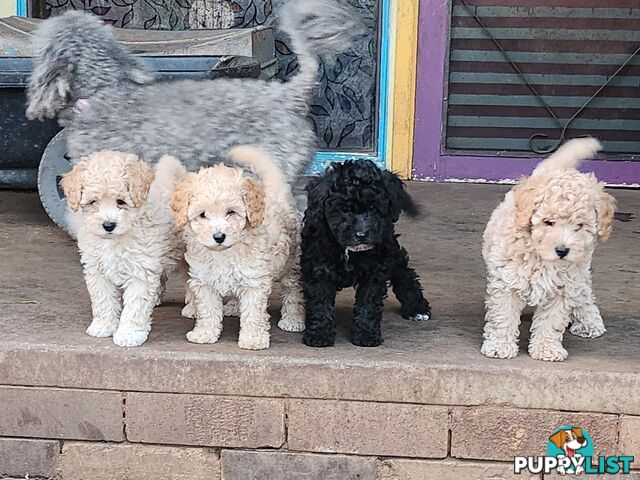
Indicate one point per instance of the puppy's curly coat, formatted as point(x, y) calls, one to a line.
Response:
point(348, 240)
point(538, 246)
point(128, 241)
point(241, 230)
point(109, 100)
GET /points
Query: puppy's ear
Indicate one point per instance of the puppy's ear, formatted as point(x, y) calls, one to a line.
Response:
point(558, 438)
point(139, 178)
point(528, 196)
point(400, 200)
point(605, 210)
point(49, 89)
point(72, 184)
point(180, 199)
point(253, 198)
point(318, 190)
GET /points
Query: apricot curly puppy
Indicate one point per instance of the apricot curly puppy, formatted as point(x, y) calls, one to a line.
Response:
point(538, 246)
point(128, 241)
point(241, 231)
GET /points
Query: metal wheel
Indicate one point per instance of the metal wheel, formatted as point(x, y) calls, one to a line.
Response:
point(53, 165)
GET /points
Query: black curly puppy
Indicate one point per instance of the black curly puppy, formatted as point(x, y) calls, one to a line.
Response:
point(348, 240)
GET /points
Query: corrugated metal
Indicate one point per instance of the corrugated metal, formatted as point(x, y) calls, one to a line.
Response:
point(566, 49)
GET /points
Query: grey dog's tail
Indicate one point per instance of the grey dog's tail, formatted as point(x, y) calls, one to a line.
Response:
point(317, 28)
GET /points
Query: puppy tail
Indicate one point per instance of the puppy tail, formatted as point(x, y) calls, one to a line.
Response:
point(317, 28)
point(569, 155)
point(261, 163)
point(168, 171)
point(76, 55)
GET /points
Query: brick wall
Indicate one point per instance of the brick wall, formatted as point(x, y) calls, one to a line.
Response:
point(95, 435)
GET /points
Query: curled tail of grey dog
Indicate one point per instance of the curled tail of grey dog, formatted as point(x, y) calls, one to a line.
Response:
point(317, 28)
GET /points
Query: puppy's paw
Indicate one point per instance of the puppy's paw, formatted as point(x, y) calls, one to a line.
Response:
point(499, 349)
point(203, 335)
point(130, 337)
point(289, 323)
point(366, 340)
point(549, 352)
point(313, 340)
point(418, 312)
point(101, 329)
point(231, 308)
point(189, 310)
point(253, 341)
point(587, 330)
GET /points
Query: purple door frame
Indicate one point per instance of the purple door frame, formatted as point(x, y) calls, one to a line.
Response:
point(430, 162)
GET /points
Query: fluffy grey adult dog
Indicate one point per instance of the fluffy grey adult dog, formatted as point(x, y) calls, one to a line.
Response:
point(108, 99)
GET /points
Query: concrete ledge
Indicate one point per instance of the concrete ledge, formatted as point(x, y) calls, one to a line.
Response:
point(46, 309)
point(481, 382)
point(427, 393)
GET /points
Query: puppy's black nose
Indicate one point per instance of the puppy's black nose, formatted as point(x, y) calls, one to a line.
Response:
point(109, 226)
point(562, 251)
point(361, 234)
point(219, 237)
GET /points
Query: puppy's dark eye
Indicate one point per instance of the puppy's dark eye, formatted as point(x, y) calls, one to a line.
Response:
point(580, 225)
point(203, 215)
point(549, 223)
point(231, 212)
point(345, 209)
point(121, 203)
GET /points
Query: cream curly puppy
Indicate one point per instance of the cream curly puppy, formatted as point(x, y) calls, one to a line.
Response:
point(241, 231)
point(537, 247)
point(128, 241)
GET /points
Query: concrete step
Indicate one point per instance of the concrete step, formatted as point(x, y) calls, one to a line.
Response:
point(427, 393)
